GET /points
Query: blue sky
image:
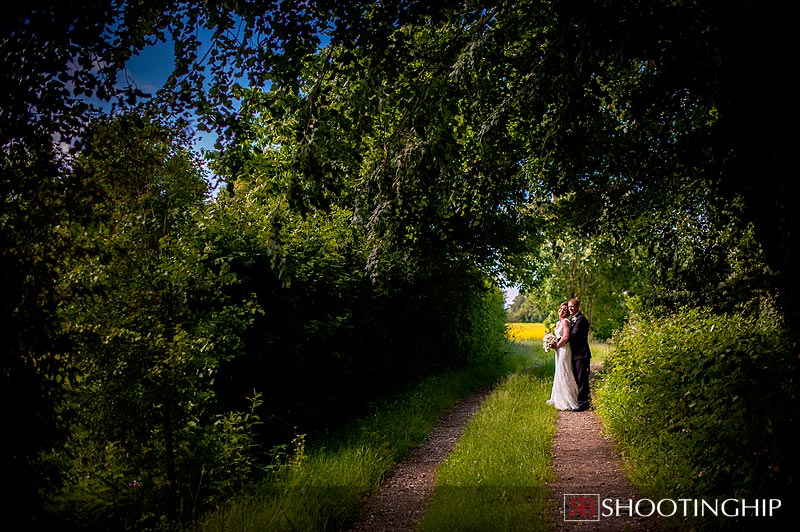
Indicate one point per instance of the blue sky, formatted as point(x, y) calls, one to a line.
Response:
point(150, 69)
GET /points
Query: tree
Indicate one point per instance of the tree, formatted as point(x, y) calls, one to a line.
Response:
point(145, 308)
point(650, 122)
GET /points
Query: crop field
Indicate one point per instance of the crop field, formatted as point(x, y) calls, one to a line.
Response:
point(525, 331)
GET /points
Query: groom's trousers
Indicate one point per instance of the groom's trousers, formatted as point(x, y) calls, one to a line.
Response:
point(580, 369)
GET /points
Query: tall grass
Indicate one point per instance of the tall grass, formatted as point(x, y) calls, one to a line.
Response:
point(496, 477)
point(321, 487)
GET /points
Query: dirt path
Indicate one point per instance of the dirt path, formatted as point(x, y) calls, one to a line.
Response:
point(401, 502)
point(585, 461)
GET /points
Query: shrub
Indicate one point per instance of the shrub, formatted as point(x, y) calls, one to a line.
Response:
point(702, 404)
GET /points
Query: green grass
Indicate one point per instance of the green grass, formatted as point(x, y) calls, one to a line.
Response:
point(496, 477)
point(600, 350)
point(322, 487)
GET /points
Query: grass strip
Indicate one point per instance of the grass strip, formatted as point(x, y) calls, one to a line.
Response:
point(496, 478)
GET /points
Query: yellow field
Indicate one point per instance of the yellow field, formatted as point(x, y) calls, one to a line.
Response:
point(525, 331)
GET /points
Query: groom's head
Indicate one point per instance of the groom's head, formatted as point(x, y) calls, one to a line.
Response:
point(574, 305)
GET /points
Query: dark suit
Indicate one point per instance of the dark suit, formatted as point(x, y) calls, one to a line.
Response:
point(581, 356)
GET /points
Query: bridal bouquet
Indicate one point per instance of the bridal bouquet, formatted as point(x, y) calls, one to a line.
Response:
point(549, 341)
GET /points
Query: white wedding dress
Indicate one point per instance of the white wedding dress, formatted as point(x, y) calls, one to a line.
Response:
point(565, 391)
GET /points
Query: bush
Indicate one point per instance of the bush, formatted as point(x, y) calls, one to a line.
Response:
point(702, 405)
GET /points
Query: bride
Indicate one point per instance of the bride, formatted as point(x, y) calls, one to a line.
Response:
point(565, 391)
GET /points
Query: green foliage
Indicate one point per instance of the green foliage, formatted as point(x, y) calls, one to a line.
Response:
point(318, 483)
point(526, 310)
point(318, 241)
point(602, 277)
point(702, 404)
point(702, 247)
point(149, 325)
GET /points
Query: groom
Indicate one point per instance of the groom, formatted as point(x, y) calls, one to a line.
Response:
point(581, 356)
